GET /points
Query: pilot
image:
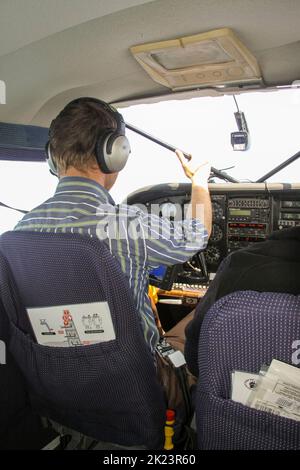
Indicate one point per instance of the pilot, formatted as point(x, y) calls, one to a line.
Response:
point(87, 149)
point(270, 266)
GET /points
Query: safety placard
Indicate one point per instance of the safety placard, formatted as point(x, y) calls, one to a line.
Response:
point(72, 325)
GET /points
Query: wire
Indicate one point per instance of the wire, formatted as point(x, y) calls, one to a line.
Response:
point(229, 168)
point(236, 103)
point(13, 208)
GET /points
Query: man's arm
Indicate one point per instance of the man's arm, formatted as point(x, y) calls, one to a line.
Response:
point(168, 243)
point(200, 205)
point(171, 243)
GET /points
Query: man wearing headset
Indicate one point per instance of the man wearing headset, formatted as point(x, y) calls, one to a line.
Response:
point(87, 148)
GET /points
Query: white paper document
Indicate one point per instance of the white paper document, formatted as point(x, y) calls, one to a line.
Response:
point(72, 325)
point(278, 392)
point(242, 385)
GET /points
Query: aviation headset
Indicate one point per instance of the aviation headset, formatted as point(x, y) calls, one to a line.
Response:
point(112, 147)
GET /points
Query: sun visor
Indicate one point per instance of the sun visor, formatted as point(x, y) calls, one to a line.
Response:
point(22, 143)
point(214, 58)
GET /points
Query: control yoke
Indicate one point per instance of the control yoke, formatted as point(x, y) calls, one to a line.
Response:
point(217, 173)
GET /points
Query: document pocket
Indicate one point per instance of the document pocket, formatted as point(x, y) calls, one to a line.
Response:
point(67, 376)
point(225, 424)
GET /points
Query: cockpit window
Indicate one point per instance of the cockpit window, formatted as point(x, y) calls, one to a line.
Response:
point(203, 126)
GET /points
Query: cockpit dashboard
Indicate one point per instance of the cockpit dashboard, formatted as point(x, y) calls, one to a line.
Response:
point(243, 214)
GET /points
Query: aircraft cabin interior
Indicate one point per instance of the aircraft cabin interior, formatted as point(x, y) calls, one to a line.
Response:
point(105, 394)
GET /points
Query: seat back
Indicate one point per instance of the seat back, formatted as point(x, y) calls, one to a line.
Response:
point(107, 390)
point(243, 331)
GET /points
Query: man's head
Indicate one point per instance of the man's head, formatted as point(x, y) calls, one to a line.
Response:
point(87, 139)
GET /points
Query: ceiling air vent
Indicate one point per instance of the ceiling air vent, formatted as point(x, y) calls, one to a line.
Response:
point(214, 58)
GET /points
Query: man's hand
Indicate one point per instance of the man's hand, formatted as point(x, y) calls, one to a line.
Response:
point(200, 197)
point(198, 174)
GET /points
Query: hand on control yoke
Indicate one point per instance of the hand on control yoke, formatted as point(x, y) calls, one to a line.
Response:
point(200, 198)
point(198, 174)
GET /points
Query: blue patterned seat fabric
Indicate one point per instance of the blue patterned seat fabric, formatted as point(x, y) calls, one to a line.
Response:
point(243, 331)
point(108, 391)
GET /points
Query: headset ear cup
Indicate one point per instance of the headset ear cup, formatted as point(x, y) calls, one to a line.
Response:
point(51, 163)
point(112, 152)
point(101, 152)
point(116, 152)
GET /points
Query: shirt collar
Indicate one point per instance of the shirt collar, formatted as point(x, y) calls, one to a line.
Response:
point(69, 184)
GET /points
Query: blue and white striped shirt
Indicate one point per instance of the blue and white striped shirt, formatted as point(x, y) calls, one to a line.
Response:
point(138, 240)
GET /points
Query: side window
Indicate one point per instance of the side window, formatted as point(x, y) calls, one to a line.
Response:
point(8, 219)
point(23, 185)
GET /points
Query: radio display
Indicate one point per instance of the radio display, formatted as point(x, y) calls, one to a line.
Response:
point(290, 215)
point(290, 203)
point(240, 212)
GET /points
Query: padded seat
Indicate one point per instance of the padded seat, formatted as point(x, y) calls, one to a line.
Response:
point(108, 391)
point(243, 331)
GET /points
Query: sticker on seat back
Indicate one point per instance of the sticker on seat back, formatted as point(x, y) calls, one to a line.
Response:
point(72, 325)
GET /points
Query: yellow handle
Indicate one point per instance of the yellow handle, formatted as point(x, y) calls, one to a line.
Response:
point(169, 433)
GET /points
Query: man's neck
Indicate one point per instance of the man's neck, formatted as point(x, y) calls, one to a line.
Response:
point(94, 175)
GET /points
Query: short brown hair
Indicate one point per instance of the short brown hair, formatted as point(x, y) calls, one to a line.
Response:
point(74, 132)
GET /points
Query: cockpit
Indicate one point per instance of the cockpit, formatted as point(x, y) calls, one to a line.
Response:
point(219, 81)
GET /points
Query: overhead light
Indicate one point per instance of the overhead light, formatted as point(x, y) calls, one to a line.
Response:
point(215, 58)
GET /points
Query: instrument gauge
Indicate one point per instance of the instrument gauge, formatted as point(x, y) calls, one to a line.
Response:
point(217, 211)
point(212, 255)
point(168, 210)
point(216, 233)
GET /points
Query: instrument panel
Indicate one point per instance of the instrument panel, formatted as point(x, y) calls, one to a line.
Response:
point(243, 214)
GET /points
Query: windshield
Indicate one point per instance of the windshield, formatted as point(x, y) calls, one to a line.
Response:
point(201, 126)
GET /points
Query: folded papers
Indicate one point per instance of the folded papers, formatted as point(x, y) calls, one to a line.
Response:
point(276, 389)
